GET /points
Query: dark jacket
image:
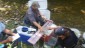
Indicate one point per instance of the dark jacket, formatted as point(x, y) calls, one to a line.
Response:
point(68, 42)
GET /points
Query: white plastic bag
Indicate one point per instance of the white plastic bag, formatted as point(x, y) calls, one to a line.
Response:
point(76, 31)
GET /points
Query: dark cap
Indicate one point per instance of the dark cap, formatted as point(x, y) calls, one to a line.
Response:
point(35, 4)
point(60, 31)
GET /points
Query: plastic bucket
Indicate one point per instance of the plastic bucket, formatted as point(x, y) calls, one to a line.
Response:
point(45, 13)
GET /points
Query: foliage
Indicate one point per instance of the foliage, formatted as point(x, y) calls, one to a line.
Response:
point(13, 9)
point(17, 1)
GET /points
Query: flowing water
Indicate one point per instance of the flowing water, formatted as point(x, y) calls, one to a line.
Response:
point(70, 13)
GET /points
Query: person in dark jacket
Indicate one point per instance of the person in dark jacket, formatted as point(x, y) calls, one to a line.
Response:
point(66, 37)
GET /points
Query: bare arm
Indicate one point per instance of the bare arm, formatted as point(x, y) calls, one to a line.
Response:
point(53, 27)
point(7, 31)
point(37, 25)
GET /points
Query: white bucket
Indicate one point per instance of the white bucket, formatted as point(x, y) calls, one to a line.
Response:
point(27, 33)
point(38, 0)
point(76, 31)
point(45, 13)
point(84, 35)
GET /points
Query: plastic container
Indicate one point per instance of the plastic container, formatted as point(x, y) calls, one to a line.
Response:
point(45, 13)
point(38, 0)
point(28, 30)
point(43, 4)
point(52, 41)
point(84, 35)
point(49, 32)
point(76, 31)
point(23, 38)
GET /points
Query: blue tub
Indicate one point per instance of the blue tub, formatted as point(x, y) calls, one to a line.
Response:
point(23, 38)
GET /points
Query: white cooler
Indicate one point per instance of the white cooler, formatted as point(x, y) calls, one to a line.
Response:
point(24, 36)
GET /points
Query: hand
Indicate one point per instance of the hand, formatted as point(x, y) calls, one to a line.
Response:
point(49, 28)
point(49, 20)
point(41, 29)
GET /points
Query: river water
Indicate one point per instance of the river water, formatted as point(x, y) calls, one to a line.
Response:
point(70, 13)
